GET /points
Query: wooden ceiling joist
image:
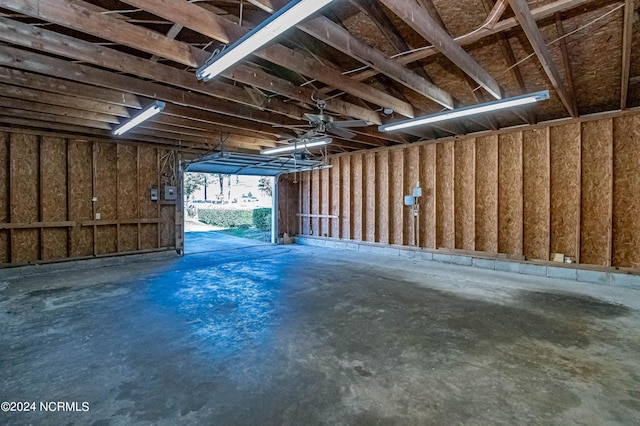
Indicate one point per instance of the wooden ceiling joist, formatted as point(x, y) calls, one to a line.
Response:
point(65, 87)
point(59, 110)
point(338, 37)
point(421, 22)
point(528, 23)
point(65, 101)
point(200, 20)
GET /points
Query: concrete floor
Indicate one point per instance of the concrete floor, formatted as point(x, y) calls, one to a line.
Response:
point(273, 335)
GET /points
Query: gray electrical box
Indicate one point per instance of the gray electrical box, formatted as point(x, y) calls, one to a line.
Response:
point(170, 193)
point(154, 194)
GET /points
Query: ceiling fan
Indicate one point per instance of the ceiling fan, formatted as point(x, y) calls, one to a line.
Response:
point(322, 123)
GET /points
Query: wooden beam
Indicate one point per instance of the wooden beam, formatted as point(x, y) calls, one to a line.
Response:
point(32, 95)
point(427, 27)
point(198, 19)
point(59, 44)
point(539, 13)
point(34, 62)
point(528, 23)
point(338, 37)
point(65, 87)
point(627, 36)
point(56, 110)
point(172, 34)
point(571, 92)
point(15, 112)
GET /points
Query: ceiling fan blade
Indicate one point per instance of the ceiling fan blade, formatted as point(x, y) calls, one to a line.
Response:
point(351, 123)
point(314, 118)
point(340, 132)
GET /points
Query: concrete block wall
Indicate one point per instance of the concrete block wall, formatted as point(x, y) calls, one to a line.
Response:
point(561, 271)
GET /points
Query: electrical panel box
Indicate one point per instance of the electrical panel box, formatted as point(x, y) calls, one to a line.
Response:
point(409, 200)
point(417, 192)
point(154, 194)
point(170, 193)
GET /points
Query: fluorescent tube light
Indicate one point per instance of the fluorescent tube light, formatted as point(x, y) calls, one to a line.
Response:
point(466, 111)
point(285, 18)
point(296, 146)
point(143, 115)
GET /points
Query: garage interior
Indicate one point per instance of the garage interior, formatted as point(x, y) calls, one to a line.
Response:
point(478, 270)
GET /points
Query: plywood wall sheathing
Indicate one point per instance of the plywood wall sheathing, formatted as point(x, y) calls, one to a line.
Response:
point(510, 193)
point(626, 198)
point(53, 194)
point(487, 194)
point(127, 196)
point(106, 190)
point(357, 197)
point(445, 217)
point(25, 195)
point(334, 177)
point(148, 178)
point(382, 196)
point(465, 158)
point(565, 189)
point(315, 201)
point(80, 193)
point(346, 199)
point(5, 234)
point(370, 213)
point(411, 177)
point(325, 195)
point(396, 196)
point(535, 154)
point(597, 197)
point(305, 192)
point(428, 200)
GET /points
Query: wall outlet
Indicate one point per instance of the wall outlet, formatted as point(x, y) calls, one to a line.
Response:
point(98, 216)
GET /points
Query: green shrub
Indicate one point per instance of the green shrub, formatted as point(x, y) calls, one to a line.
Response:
point(225, 218)
point(262, 219)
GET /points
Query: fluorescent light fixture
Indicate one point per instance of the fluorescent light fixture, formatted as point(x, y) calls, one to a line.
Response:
point(466, 111)
point(285, 18)
point(143, 115)
point(296, 146)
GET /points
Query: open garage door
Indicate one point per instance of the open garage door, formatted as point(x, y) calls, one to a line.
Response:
point(236, 195)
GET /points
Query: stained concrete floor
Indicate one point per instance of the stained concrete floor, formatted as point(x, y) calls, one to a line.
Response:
point(277, 335)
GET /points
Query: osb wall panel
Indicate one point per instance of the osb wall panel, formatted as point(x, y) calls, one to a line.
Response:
point(535, 155)
point(411, 177)
point(315, 201)
point(305, 192)
point(465, 194)
point(334, 177)
point(357, 200)
point(127, 183)
point(396, 196)
point(486, 219)
point(148, 236)
point(370, 196)
point(382, 196)
point(445, 216)
point(53, 166)
point(597, 185)
point(346, 200)
point(106, 184)
point(427, 203)
point(128, 238)
point(325, 191)
point(167, 226)
point(565, 189)
point(148, 178)
point(24, 195)
point(288, 205)
point(4, 197)
point(626, 184)
point(80, 192)
point(510, 193)
point(570, 188)
point(106, 239)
